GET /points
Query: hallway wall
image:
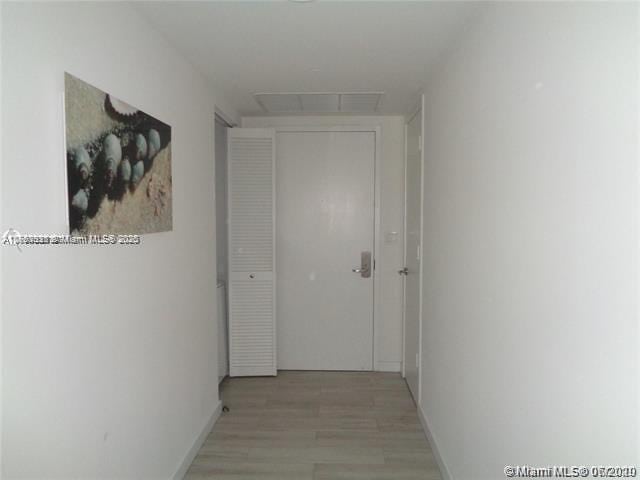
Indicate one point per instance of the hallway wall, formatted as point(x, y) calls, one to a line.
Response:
point(388, 290)
point(530, 259)
point(109, 353)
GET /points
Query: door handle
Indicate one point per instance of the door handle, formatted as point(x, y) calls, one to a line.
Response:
point(365, 265)
point(404, 271)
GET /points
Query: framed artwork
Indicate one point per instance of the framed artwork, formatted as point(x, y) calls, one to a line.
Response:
point(118, 164)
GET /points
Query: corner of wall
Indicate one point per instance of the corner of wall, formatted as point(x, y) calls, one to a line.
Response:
point(444, 469)
point(197, 444)
point(226, 111)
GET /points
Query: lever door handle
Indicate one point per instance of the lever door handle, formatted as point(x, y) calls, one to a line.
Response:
point(365, 265)
point(404, 271)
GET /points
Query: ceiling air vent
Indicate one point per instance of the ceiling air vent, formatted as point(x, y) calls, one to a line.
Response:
point(356, 102)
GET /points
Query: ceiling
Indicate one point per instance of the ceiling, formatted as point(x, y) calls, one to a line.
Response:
point(245, 48)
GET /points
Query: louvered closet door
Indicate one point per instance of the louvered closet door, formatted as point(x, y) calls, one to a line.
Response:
point(252, 340)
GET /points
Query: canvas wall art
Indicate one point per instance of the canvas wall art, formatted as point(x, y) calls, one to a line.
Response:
point(118, 164)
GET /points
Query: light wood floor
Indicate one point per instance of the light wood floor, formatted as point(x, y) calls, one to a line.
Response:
point(316, 425)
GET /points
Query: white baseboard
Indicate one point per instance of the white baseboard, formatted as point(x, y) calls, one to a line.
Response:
point(444, 470)
point(195, 448)
point(388, 366)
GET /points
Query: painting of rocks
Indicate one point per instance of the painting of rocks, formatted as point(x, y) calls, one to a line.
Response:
point(118, 164)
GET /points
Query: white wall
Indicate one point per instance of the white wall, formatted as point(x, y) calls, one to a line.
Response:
point(110, 367)
point(530, 326)
point(388, 290)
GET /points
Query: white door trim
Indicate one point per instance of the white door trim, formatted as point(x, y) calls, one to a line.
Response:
point(419, 109)
point(404, 248)
point(377, 234)
point(422, 162)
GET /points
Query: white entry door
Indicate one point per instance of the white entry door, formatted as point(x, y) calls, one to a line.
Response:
point(413, 239)
point(324, 229)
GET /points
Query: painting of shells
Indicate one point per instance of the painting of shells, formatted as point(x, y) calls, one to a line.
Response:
point(118, 164)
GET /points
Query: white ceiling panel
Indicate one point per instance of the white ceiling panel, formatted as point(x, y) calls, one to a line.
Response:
point(243, 47)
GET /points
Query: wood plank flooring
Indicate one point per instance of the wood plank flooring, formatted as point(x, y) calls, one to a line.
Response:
point(316, 426)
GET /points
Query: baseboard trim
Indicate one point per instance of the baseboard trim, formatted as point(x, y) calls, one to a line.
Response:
point(195, 448)
point(444, 470)
point(268, 371)
point(388, 366)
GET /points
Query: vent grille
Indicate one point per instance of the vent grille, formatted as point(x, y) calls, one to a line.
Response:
point(355, 102)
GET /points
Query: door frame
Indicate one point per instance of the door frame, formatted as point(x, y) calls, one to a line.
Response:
point(219, 118)
point(418, 110)
point(377, 234)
